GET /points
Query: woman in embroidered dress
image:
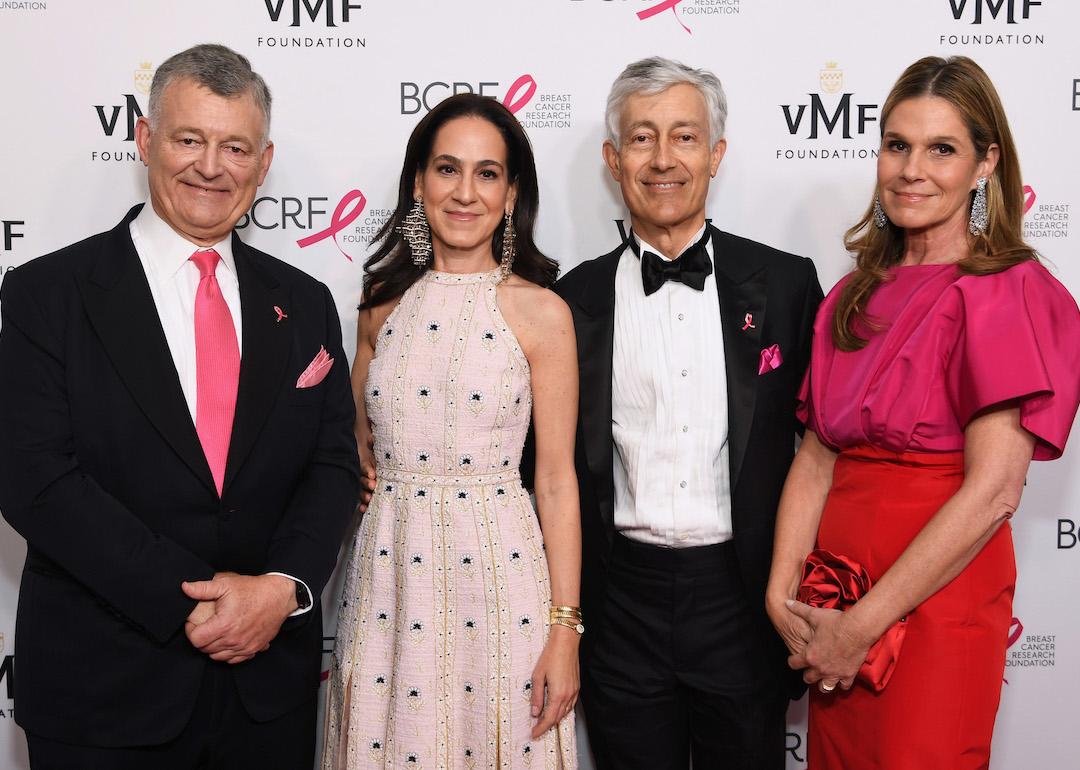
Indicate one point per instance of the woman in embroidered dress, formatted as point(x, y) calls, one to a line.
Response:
point(941, 366)
point(448, 652)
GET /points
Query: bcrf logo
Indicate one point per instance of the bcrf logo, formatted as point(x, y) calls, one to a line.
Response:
point(416, 97)
point(270, 213)
point(793, 744)
point(1068, 534)
point(993, 8)
point(311, 10)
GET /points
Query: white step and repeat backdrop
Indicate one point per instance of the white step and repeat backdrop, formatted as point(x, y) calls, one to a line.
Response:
point(350, 78)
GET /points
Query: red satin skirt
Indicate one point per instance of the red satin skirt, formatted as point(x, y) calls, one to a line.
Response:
point(938, 710)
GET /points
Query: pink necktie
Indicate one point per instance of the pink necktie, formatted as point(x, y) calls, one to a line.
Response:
point(217, 366)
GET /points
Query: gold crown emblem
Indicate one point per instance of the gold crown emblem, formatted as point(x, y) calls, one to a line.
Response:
point(831, 78)
point(144, 76)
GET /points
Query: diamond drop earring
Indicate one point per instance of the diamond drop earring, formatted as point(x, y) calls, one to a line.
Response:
point(417, 233)
point(880, 220)
point(980, 213)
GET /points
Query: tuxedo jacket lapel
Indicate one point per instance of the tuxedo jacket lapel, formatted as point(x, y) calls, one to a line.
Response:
point(121, 309)
point(742, 287)
point(595, 335)
point(265, 355)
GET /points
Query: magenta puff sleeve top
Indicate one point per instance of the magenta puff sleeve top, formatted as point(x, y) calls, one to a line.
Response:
point(948, 345)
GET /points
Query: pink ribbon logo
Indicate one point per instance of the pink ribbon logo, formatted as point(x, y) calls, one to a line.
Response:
point(339, 220)
point(281, 313)
point(660, 7)
point(1016, 628)
point(520, 93)
point(1029, 198)
point(748, 322)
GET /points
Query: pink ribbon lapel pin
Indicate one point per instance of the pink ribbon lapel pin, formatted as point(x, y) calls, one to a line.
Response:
point(316, 371)
point(281, 314)
point(770, 359)
point(748, 322)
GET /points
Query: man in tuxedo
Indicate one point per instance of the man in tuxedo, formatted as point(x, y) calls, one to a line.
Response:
point(182, 477)
point(692, 344)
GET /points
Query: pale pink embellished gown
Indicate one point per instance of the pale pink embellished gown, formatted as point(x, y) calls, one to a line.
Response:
point(445, 606)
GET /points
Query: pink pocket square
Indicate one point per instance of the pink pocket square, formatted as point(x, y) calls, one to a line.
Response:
point(770, 359)
point(316, 370)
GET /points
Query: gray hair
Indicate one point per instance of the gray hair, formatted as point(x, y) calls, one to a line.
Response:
point(651, 76)
point(218, 68)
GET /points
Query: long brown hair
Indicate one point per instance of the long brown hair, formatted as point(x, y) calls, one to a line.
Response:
point(963, 83)
point(390, 270)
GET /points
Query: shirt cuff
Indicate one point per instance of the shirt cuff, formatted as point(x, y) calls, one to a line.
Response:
point(311, 599)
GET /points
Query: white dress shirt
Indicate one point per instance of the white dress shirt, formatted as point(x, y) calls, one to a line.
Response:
point(166, 259)
point(669, 412)
point(165, 256)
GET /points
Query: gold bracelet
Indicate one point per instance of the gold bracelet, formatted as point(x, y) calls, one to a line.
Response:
point(569, 623)
point(557, 608)
point(572, 613)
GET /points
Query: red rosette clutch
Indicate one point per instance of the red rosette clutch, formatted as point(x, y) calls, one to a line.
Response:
point(835, 582)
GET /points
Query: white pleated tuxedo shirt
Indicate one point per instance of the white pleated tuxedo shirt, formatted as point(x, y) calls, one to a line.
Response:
point(669, 413)
point(165, 256)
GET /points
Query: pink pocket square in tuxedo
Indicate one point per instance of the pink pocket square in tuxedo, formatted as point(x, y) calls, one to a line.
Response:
point(316, 370)
point(770, 359)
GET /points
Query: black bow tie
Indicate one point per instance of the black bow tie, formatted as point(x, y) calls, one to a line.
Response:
point(691, 267)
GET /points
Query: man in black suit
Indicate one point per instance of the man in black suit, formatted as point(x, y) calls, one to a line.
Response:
point(182, 478)
point(692, 344)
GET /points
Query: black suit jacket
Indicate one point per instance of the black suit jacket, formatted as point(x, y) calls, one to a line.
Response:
point(102, 472)
point(782, 293)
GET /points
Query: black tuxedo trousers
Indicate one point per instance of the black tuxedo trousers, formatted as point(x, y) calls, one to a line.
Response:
point(680, 665)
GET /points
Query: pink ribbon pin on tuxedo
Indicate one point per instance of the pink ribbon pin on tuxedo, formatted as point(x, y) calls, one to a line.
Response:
point(770, 359)
point(316, 371)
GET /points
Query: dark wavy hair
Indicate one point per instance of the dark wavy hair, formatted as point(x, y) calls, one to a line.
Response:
point(390, 270)
point(963, 84)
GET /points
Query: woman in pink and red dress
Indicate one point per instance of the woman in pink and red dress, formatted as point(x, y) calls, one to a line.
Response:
point(941, 366)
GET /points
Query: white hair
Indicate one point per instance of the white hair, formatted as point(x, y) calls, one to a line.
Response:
point(651, 76)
